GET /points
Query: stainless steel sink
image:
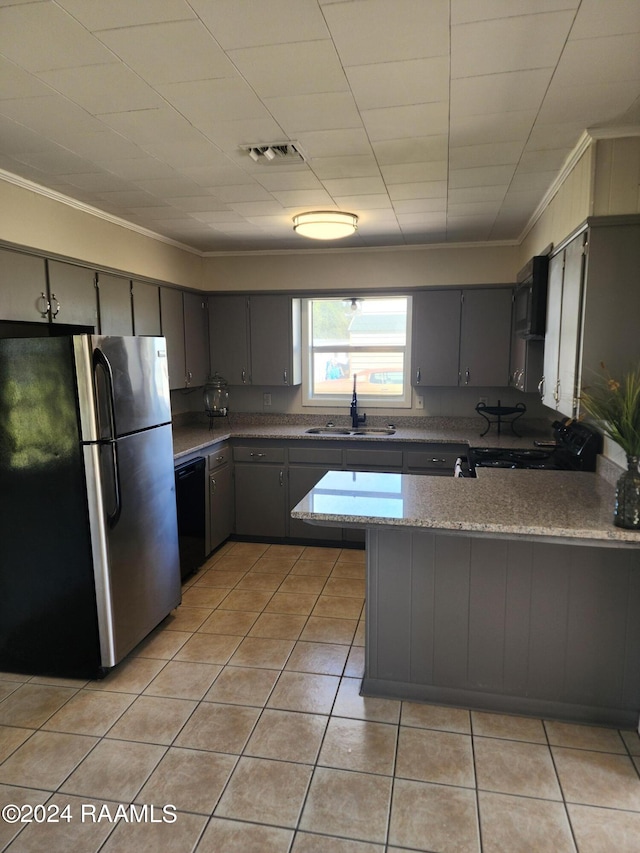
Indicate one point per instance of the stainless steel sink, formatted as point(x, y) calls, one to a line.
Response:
point(328, 431)
point(373, 431)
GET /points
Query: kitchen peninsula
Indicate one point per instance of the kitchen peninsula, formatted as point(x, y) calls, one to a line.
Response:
point(511, 592)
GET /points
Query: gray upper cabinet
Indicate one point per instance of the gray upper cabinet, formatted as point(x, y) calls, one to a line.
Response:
point(114, 298)
point(485, 338)
point(275, 340)
point(146, 308)
point(526, 369)
point(229, 338)
point(73, 294)
point(23, 287)
point(184, 325)
point(256, 339)
point(435, 337)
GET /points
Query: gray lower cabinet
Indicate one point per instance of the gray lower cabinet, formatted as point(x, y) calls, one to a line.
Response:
point(221, 496)
point(307, 466)
point(114, 299)
point(260, 491)
point(23, 287)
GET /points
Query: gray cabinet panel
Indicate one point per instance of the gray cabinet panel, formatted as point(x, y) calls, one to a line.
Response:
point(487, 596)
point(451, 617)
point(196, 339)
point(485, 337)
point(73, 294)
point(146, 308)
point(172, 312)
point(260, 495)
point(114, 295)
point(221, 505)
point(570, 327)
point(371, 459)
point(435, 337)
point(23, 287)
point(229, 338)
point(552, 333)
point(274, 358)
point(302, 478)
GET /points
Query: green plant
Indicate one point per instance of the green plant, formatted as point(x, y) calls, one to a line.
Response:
point(616, 404)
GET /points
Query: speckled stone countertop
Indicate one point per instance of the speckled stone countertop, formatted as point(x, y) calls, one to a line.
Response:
point(190, 438)
point(560, 505)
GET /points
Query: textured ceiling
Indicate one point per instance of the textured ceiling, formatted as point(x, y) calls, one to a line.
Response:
point(434, 120)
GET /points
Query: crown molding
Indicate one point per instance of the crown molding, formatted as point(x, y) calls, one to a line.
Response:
point(54, 195)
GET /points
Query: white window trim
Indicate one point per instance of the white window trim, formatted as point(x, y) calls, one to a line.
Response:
point(369, 400)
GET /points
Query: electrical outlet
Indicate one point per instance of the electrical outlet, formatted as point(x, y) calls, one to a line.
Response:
point(419, 402)
point(266, 400)
point(484, 400)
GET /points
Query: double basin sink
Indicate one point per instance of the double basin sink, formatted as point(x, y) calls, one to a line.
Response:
point(331, 430)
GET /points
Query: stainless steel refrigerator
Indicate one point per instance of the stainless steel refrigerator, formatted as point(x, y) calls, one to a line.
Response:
point(89, 559)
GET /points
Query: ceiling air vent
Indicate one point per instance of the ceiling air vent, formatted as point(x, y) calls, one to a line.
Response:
point(275, 152)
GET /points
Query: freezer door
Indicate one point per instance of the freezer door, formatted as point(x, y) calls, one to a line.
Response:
point(131, 384)
point(135, 537)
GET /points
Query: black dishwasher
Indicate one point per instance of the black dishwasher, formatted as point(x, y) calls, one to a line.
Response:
point(190, 500)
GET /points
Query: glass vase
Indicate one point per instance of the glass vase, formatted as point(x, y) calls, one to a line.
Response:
point(627, 508)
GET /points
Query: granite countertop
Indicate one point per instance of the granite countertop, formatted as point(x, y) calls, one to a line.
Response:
point(191, 438)
point(567, 505)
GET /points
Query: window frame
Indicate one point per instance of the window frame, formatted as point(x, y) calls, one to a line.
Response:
point(344, 399)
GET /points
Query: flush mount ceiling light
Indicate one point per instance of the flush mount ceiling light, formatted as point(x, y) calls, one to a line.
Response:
point(274, 153)
point(325, 224)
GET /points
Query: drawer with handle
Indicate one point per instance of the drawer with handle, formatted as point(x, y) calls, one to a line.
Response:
point(437, 457)
point(219, 456)
point(259, 454)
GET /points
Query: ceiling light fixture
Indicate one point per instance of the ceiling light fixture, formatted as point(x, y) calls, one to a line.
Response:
point(254, 154)
point(325, 224)
point(269, 153)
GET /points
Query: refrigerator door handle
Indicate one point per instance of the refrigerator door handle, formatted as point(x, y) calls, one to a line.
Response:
point(114, 517)
point(101, 363)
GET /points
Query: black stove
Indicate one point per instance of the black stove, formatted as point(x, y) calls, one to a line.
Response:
point(574, 447)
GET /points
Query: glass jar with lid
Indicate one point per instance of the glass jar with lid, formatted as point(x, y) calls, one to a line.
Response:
point(216, 397)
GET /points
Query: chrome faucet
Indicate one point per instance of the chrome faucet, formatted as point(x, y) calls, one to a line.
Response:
point(356, 419)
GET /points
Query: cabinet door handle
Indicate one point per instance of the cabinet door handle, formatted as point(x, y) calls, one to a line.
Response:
point(54, 313)
point(258, 455)
point(438, 461)
point(541, 388)
point(43, 305)
point(188, 378)
point(244, 376)
point(467, 376)
point(418, 376)
point(213, 486)
point(556, 393)
point(219, 458)
point(285, 377)
point(282, 478)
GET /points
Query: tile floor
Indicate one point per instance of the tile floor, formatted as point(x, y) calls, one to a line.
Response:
point(242, 711)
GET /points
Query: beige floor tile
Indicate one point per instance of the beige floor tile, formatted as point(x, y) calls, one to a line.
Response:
point(318, 552)
point(440, 717)
point(280, 565)
point(209, 648)
point(597, 778)
point(220, 578)
point(359, 745)
point(8, 687)
point(513, 767)
point(161, 643)
point(114, 770)
point(174, 837)
point(359, 639)
point(90, 712)
point(339, 607)
point(187, 618)
point(234, 836)
point(349, 703)
point(605, 830)
point(80, 834)
point(348, 587)
point(153, 719)
point(323, 658)
point(247, 549)
point(278, 626)
point(432, 756)
point(353, 555)
point(292, 551)
point(288, 736)
point(508, 726)
point(348, 804)
point(190, 779)
point(229, 563)
point(349, 569)
point(203, 596)
point(261, 581)
point(218, 727)
point(355, 662)
point(265, 791)
point(32, 704)
point(262, 652)
point(233, 622)
point(12, 795)
point(238, 685)
point(312, 568)
point(289, 602)
point(306, 842)
point(300, 691)
point(524, 825)
point(45, 760)
point(130, 676)
point(11, 737)
point(594, 738)
point(632, 741)
point(183, 680)
point(434, 817)
point(247, 599)
point(323, 629)
point(54, 681)
point(303, 584)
